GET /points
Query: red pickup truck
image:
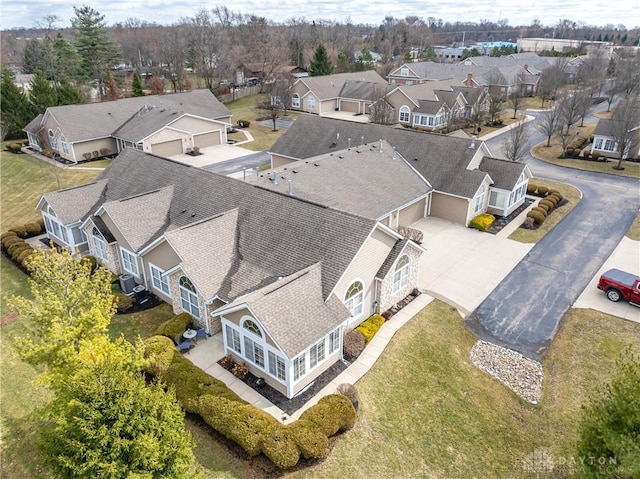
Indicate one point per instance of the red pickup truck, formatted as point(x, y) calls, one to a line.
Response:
point(620, 285)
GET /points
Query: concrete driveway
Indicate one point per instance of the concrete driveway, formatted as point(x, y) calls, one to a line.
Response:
point(627, 258)
point(462, 265)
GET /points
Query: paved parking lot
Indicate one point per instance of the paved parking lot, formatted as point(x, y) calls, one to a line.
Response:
point(627, 258)
point(464, 265)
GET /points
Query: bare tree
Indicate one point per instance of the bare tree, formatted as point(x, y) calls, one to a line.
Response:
point(627, 79)
point(515, 144)
point(569, 107)
point(552, 79)
point(549, 123)
point(517, 92)
point(624, 128)
point(593, 70)
point(381, 111)
point(496, 101)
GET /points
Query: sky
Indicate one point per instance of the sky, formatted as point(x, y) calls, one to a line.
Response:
point(26, 13)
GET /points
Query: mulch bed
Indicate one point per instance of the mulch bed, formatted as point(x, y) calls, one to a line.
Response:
point(502, 221)
point(292, 405)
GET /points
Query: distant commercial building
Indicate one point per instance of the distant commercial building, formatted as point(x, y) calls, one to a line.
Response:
point(558, 44)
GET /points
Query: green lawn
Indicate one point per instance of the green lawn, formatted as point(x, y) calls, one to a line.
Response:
point(245, 109)
point(552, 153)
point(24, 178)
point(570, 193)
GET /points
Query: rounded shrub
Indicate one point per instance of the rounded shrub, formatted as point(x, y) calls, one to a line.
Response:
point(595, 155)
point(324, 417)
point(24, 256)
point(556, 193)
point(175, 326)
point(537, 217)
point(342, 408)
point(482, 222)
point(546, 203)
point(531, 188)
point(540, 210)
point(544, 206)
point(311, 442)
point(159, 350)
point(123, 303)
point(21, 231)
point(570, 151)
point(553, 199)
point(370, 327)
point(33, 229)
point(280, 447)
point(353, 344)
point(7, 235)
point(15, 249)
point(9, 241)
point(542, 190)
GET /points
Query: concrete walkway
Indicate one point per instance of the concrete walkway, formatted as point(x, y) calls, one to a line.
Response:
point(207, 353)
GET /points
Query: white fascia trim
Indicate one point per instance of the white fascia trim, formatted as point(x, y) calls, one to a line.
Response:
point(38, 205)
point(152, 245)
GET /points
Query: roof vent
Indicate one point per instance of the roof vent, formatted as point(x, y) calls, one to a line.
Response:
point(184, 211)
point(381, 146)
point(393, 155)
point(472, 146)
point(290, 187)
point(362, 141)
point(193, 214)
point(349, 143)
point(316, 164)
point(275, 178)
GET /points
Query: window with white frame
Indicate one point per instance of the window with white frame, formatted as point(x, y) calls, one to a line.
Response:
point(295, 101)
point(334, 340)
point(64, 145)
point(404, 114)
point(99, 244)
point(404, 72)
point(316, 354)
point(54, 227)
point(52, 140)
point(354, 298)
point(479, 200)
point(233, 339)
point(277, 366)
point(299, 367)
point(609, 145)
point(188, 297)
point(129, 262)
point(250, 325)
point(597, 145)
point(158, 280)
point(254, 352)
point(401, 276)
point(311, 103)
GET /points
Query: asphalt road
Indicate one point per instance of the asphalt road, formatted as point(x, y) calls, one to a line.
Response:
point(525, 310)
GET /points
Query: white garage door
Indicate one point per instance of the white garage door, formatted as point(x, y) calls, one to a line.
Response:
point(350, 106)
point(167, 148)
point(207, 139)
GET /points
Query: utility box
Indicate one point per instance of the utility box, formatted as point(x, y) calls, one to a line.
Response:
point(127, 284)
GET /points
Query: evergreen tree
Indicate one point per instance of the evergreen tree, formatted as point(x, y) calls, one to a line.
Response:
point(136, 85)
point(15, 111)
point(343, 62)
point(66, 60)
point(610, 426)
point(320, 64)
point(97, 51)
point(67, 93)
point(41, 94)
point(106, 421)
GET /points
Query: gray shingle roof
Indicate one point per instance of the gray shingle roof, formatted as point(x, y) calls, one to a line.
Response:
point(440, 159)
point(603, 127)
point(277, 235)
point(139, 218)
point(145, 122)
point(348, 179)
point(363, 90)
point(293, 310)
point(504, 173)
point(74, 204)
point(428, 107)
point(396, 251)
point(97, 120)
point(329, 86)
point(207, 250)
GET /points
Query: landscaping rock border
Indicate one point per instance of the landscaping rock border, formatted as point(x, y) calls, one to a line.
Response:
point(520, 374)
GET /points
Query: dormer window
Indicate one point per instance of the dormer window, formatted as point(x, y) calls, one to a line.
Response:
point(404, 72)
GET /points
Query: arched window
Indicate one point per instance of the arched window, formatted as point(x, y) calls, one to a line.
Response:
point(99, 243)
point(404, 114)
point(252, 326)
point(188, 297)
point(401, 276)
point(354, 298)
point(295, 101)
point(52, 140)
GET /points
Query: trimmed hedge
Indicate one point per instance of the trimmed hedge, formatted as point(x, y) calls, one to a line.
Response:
point(248, 426)
point(482, 222)
point(548, 203)
point(543, 190)
point(353, 344)
point(531, 188)
point(175, 326)
point(540, 210)
point(537, 217)
point(370, 327)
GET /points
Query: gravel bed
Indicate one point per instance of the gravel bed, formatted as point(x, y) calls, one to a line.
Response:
point(520, 374)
